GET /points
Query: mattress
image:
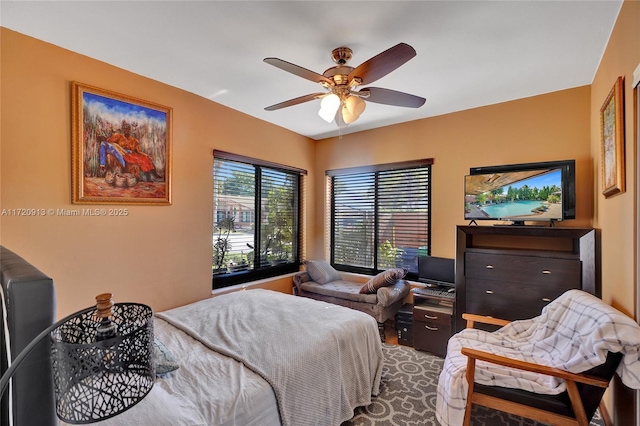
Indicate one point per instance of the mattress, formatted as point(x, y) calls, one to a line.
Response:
point(208, 389)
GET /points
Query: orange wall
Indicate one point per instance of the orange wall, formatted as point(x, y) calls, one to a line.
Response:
point(542, 128)
point(616, 216)
point(158, 255)
point(162, 255)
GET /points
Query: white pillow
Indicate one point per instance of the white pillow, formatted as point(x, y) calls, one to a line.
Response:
point(321, 272)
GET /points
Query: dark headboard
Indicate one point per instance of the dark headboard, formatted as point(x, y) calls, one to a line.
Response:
point(31, 307)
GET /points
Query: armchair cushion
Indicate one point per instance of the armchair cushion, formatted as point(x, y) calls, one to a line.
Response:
point(321, 272)
point(346, 290)
point(383, 279)
point(387, 296)
point(301, 277)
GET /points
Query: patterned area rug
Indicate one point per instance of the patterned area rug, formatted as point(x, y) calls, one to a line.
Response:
point(408, 395)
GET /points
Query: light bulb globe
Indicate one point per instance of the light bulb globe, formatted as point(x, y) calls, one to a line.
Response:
point(328, 107)
point(355, 105)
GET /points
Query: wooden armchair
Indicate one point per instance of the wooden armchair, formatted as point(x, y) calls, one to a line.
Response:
point(575, 406)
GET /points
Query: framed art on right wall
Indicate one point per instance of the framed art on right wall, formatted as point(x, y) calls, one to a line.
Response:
point(612, 127)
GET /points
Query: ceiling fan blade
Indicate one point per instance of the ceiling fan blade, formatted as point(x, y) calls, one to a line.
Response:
point(392, 97)
point(383, 63)
point(298, 70)
point(296, 101)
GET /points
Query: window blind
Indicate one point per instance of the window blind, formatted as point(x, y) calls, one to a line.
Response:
point(380, 217)
point(256, 229)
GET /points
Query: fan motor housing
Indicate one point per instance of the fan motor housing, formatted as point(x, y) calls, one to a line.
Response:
point(339, 74)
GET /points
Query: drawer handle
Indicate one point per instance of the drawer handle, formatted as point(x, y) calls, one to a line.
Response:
point(489, 266)
point(489, 291)
point(546, 272)
point(430, 317)
point(546, 299)
point(431, 328)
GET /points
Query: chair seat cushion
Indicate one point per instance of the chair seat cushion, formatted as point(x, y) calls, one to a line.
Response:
point(340, 289)
point(559, 403)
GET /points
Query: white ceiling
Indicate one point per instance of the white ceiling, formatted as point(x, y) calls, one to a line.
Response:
point(469, 53)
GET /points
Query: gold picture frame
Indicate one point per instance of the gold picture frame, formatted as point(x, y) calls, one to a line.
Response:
point(121, 148)
point(612, 128)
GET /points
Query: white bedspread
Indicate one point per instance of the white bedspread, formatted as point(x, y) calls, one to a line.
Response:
point(573, 332)
point(208, 389)
point(321, 360)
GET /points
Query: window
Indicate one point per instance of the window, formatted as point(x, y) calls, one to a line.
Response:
point(380, 216)
point(220, 215)
point(256, 229)
point(247, 216)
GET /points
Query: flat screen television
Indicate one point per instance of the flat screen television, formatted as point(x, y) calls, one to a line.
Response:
point(521, 192)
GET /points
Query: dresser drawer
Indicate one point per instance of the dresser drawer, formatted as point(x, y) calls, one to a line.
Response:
point(431, 337)
point(511, 313)
point(431, 316)
point(510, 292)
point(510, 300)
point(523, 269)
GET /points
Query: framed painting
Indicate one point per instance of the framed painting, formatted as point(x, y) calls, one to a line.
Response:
point(612, 127)
point(121, 148)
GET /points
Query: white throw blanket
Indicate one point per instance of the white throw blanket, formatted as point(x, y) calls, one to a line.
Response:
point(573, 333)
point(321, 360)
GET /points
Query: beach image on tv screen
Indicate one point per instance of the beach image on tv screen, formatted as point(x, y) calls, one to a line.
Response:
point(519, 195)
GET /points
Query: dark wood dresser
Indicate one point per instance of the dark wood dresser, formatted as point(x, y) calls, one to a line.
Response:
point(512, 272)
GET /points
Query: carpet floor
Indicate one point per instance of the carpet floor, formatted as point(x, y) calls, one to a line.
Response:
point(408, 395)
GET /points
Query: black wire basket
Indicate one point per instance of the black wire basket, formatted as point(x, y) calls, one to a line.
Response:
point(96, 380)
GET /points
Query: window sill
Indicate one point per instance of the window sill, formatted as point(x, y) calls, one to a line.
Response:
point(249, 285)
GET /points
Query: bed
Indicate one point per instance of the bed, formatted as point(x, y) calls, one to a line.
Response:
point(276, 359)
point(260, 357)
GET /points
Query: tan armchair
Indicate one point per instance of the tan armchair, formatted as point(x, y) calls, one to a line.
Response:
point(576, 406)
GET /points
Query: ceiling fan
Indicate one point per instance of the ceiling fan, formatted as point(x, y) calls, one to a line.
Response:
point(342, 102)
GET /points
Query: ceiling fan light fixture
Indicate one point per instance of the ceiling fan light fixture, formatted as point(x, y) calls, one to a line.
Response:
point(347, 117)
point(355, 105)
point(328, 107)
point(352, 108)
point(340, 120)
